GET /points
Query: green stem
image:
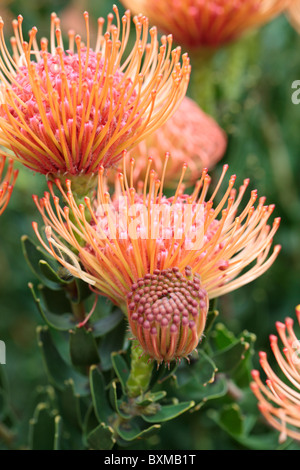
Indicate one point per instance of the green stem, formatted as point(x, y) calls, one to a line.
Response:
point(78, 308)
point(78, 311)
point(141, 371)
point(202, 82)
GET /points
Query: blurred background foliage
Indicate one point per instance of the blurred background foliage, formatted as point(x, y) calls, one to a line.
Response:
point(262, 125)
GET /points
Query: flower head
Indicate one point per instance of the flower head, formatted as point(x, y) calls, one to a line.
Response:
point(279, 400)
point(7, 182)
point(66, 112)
point(167, 313)
point(207, 23)
point(190, 136)
point(114, 242)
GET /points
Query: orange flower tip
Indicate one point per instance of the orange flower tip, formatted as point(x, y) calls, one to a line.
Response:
point(289, 322)
point(280, 326)
point(298, 313)
point(34, 226)
point(273, 339)
point(277, 248)
point(269, 383)
point(255, 374)
point(262, 355)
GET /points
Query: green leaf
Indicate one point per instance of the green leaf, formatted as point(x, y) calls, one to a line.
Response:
point(99, 395)
point(59, 372)
point(211, 318)
point(105, 325)
point(131, 430)
point(101, 438)
point(120, 405)
point(168, 412)
point(222, 337)
point(33, 255)
point(63, 322)
point(55, 276)
point(231, 419)
point(199, 381)
point(90, 422)
point(69, 404)
point(230, 357)
point(42, 428)
point(83, 291)
point(83, 347)
point(121, 369)
point(162, 374)
point(58, 425)
point(113, 341)
point(56, 301)
point(149, 398)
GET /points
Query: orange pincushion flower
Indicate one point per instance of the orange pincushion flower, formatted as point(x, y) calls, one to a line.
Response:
point(70, 111)
point(116, 242)
point(279, 401)
point(7, 182)
point(207, 23)
point(190, 136)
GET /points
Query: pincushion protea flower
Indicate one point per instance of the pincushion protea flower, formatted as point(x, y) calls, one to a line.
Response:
point(190, 136)
point(7, 182)
point(207, 23)
point(279, 401)
point(66, 112)
point(116, 243)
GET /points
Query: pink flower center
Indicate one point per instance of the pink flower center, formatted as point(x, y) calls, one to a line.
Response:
point(71, 106)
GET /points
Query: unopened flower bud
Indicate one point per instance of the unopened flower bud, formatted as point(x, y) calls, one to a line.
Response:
point(169, 317)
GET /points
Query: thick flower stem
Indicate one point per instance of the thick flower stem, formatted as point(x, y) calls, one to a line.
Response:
point(220, 77)
point(202, 82)
point(141, 370)
point(78, 308)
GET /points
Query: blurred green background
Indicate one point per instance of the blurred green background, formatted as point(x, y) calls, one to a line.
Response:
point(263, 144)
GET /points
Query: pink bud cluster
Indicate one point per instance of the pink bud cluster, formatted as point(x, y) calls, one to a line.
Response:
point(167, 313)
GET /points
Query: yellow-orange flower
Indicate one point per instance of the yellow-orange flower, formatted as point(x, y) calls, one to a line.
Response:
point(190, 136)
point(115, 243)
point(66, 112)
point(279, 400)
point(7, 182)
point(207, 23)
